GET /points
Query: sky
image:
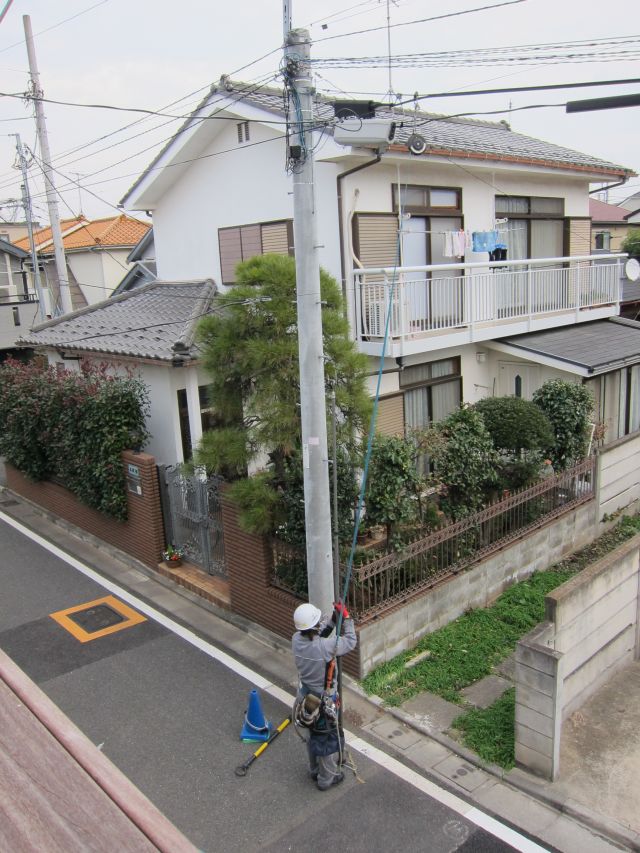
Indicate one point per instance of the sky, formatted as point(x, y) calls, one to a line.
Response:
point(163, 56)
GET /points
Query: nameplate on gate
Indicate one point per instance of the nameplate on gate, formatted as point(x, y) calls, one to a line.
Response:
point(134, 480)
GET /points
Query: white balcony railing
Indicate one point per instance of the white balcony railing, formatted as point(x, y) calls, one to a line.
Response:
point(484, 299)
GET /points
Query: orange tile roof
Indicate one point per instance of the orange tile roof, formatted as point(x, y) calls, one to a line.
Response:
point(82, 233)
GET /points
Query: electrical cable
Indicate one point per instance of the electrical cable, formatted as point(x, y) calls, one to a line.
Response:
point(55, 26)
point(424, 20)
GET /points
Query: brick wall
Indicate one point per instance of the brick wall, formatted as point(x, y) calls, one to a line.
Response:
point(141, 536)
point(249, 569)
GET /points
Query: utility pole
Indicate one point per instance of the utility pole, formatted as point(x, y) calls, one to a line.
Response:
point(26, 202)
point(61, 292)
point(313, 409)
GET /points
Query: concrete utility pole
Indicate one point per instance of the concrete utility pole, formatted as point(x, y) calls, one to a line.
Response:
point(26, 203)
point(310, 349)
point(61, 292)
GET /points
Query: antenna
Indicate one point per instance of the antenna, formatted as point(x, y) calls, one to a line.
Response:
point(391, 93)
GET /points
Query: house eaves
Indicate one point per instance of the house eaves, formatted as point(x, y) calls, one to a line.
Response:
point(586, 349)
point(156, 322)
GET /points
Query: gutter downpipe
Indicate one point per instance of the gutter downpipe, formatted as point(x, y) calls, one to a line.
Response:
point(339, 178)
point(609, 186)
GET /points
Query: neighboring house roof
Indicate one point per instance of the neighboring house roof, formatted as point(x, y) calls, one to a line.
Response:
point(80, 233)
point(444, 135)
point(595, 347)
point(157, 321)
point(606, 214)
point(13, 250)
point(632, 202)
point(141, 248)
point(137, 276)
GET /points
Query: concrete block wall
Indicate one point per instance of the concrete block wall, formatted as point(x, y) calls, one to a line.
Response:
point(141, 536)
point(618, 480)
point(399, 629)
point(592, 630)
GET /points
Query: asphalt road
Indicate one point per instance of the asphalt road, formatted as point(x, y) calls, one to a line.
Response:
point(169, 716)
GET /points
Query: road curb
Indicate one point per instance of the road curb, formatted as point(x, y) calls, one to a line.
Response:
point(606, 827)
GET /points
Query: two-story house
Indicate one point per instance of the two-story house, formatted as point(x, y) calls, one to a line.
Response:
point(96, 252)
point(478, 245)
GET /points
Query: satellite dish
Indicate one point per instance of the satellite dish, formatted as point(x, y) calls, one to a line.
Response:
point(416, 143)
point(632, 269)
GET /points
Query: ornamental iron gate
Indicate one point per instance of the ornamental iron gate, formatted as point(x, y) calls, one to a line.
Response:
point(193, 517)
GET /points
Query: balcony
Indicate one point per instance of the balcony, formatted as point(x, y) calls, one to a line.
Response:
point(432, 307)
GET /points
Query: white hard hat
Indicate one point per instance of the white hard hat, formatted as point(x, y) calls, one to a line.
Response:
point(306, 616)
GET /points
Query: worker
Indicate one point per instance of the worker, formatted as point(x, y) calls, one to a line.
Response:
point(316, 705)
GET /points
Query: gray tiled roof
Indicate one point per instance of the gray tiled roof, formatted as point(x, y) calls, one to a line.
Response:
point(156, 321)
point(494, 140)
point(597, 346)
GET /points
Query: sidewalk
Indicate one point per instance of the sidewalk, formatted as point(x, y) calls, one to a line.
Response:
point(555, 816)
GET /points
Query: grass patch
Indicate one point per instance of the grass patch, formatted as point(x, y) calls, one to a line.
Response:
point(467, 649)
point(490, 731)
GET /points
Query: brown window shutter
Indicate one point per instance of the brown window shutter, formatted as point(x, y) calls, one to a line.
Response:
point(230, 253)
point(390, 419)
point(251, 241)
point(275, 238)
point(377, 239)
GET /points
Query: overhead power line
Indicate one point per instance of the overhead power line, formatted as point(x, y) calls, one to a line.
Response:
point(612, 49)
point(423, 20)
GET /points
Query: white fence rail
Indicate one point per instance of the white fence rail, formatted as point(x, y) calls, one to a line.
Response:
point(433, 298)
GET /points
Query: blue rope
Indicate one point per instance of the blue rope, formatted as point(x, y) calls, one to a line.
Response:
point(372, 427)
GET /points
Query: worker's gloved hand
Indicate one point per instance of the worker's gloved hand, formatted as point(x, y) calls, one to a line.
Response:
point(339, 609)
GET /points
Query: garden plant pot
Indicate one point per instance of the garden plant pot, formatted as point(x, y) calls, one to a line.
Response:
point(173, 564)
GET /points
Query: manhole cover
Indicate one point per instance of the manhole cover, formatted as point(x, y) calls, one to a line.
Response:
point(8, 503)
point(96, 618)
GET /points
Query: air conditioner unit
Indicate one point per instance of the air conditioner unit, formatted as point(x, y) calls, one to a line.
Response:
point(365, 133)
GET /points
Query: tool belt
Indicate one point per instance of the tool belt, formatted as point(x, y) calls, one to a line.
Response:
point(316, 712)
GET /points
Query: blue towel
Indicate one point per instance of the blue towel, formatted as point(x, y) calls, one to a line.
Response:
point(484, 241)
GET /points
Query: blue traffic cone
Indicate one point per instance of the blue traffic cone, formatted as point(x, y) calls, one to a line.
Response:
point(256, 727)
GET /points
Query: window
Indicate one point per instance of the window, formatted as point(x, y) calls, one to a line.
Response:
point(245, 241)
point(603, 240)
point(418, 199)
point(534, 227)
point(243, 131)
point(432, 392)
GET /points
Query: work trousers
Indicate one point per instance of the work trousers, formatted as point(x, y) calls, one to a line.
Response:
point(324, 768)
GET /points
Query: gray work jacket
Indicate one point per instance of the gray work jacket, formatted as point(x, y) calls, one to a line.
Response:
point(312, 655)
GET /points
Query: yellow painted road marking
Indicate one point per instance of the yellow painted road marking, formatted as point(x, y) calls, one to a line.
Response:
point(131, 617)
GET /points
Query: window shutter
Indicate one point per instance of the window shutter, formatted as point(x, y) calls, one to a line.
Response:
point(579, 237)
point(390, 419)
point(230, 253)
point(251, 241)
point(377, 240)
point(275, 238)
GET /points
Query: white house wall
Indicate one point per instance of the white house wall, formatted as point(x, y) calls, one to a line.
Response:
point(228, 185)
point(87, 271)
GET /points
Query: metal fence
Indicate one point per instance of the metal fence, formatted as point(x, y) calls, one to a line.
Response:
point(383, 582)
point(193, 517)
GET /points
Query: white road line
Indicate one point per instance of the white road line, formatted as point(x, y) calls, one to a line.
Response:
point(451, 801)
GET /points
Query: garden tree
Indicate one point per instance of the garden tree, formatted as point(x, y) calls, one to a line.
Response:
point(250, 350)
point(73, 426)
point(631, 243)
point(393, 483)
point(521, 433)
point(466, 463)
point(569, 407)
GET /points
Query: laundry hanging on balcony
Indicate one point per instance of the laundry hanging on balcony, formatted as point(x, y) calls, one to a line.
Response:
point(485, 241)
point(456, 243)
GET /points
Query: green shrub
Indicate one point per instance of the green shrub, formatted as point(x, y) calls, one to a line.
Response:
point(569, 407)
point(72, 427)
point(515, 424)
point(631, 243)
point(393, 483)
point(466, 464)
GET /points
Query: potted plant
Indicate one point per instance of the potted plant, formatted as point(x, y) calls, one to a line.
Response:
point(173, 556)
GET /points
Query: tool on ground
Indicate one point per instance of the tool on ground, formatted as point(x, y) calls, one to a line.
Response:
point(241, 770)
point(256, 727)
